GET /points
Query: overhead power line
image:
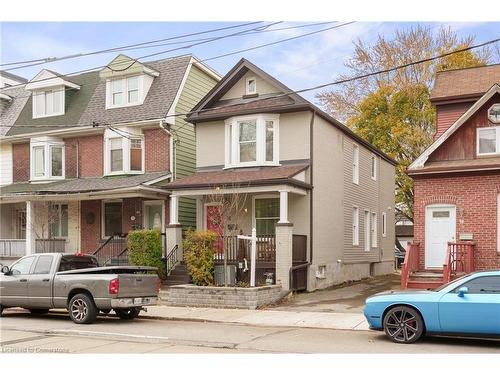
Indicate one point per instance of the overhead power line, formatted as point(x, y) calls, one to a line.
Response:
point(354, 78)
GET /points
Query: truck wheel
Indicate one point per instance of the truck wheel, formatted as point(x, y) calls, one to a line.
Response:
point(128, 314)
point(39, 311)
point(82, 309)
point(1, 310)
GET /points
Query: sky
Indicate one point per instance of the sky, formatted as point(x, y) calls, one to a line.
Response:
point(299, 63)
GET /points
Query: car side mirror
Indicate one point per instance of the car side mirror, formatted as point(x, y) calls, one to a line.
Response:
point(5, 270)
point(463, 291)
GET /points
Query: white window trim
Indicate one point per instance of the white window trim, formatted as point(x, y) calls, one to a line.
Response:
point(355, 223)
point(373, 167)
point(374, 230)
point(232, 145)
point(47, 144)
point(140, 94)
point(261, 196)
point(355, 164)
point(247, 92)
point(384, 224)
point(103, 202)
point(126, 155)
point(367, 231)
point(497, 140)
point(52, 89)
point(153, 203)
point(59, 212)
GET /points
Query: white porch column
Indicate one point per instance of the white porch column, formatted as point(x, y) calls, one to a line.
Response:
point(174, 210)
point(284, 239)
point(283, 207)
point(30, 228)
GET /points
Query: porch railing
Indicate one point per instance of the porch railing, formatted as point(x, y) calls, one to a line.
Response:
point(12, 247)
point(410, 264)
point(112, 248)
point(50, 245)
point(237, 250)
point(459, 259)
point(171, 259)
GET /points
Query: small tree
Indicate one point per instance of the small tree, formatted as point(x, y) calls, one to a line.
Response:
point(199, 249)
point(231, 206)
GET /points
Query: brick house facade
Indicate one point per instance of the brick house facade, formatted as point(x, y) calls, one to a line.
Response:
point(457, 179)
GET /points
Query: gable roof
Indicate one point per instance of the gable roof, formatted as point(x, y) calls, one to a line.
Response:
point(464, 83)
point(10, 109)
point(419, 163)
point(13, 77)
point(286, 100)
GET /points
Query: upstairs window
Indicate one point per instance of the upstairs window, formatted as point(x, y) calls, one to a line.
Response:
point(355, 164)
point(48, 103)
point(252, 141)
point(116, 154)
point(47, 160)
point(124, 92)
point(373, 161)
point(487, 141)
point(124, 155)
point(136, 154)
point(251, 86)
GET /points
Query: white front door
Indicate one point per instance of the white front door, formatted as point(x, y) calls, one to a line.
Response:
point(440, 227)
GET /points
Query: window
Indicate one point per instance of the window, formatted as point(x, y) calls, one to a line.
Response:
point(367, 231)
point(384, 224)
point(252, 141)
point(251, 87)
point(47, 160)
point(487, 141)
point(116, 155)
point(48, 103)
point(485, 284)
point(355, 226)
point(124, 92)
point(112, 218)
point(373, 167)
point(267, 214)
point(23, 266)
point(373, 229)
point(43, 265)
point(58, 220)
point(355, 164)
point(136, 154)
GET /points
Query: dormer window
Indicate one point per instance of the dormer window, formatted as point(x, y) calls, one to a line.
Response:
point(124, 92)
point(47, 159)
point(48, 102)
point(251, 86)
point(123, 155)
point(252, 141)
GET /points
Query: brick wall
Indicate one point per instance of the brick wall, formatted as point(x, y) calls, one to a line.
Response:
point(21, 162)
point(475, 197)
point(156, 143)
point(131, 207)
point(91, 163)
point(90, 225)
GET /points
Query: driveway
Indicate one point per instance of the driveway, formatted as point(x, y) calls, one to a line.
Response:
point(345, 298)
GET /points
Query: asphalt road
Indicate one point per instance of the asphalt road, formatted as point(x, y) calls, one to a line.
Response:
point(53, 333)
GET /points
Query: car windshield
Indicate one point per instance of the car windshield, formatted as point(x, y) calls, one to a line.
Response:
point(438, 289)
point(77, 262)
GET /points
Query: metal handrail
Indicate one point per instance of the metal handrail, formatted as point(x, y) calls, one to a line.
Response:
point(171, 259)
point(104, 257)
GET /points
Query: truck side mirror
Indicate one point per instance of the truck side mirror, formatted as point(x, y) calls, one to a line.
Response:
point(5, 270)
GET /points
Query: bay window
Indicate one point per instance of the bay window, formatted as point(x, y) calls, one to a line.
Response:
point(47, 159)
point(116, 154)
point(252, 141)
point(488, 141)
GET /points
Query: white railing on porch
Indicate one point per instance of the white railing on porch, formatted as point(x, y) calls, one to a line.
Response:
point(52, 245)
point(12, 247)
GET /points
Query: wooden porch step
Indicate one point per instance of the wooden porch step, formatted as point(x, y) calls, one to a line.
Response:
point(424, 284)
point(426, 275)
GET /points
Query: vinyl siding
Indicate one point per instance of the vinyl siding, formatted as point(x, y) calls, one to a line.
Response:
point(196, 86)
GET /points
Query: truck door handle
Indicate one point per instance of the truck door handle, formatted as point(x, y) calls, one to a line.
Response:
point(23, 280)
point(46, 280)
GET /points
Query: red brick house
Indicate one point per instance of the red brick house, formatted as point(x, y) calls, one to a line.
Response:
point(85, 157)
point(457, 181)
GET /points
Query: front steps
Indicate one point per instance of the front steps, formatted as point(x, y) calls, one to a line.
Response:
point(425, 279)
point(179, 275)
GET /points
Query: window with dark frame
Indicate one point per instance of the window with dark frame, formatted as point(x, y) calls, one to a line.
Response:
point(112, 218)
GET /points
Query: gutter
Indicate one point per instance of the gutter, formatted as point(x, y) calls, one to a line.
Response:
point(311, 175)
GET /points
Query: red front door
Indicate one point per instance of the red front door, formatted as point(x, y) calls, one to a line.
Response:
point(214, 224)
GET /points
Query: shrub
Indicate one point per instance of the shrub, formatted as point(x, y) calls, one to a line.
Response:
point(199, 250)
point(144, 249)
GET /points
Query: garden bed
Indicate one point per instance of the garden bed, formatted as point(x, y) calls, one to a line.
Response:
point(223, 297)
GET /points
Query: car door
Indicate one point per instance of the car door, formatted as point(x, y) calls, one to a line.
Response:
point(14, 286)
point(476, 312)
point(40, 283)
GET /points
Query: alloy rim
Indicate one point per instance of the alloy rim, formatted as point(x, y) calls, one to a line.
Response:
point(402, 325)
point(79, 309)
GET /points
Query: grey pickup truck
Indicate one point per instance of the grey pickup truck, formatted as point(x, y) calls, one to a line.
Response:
point(76, 282)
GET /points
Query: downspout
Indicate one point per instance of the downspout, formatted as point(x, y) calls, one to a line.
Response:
point(311, 168)
point(77, 159)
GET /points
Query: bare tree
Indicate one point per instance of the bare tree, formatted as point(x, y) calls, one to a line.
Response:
point(231, 204)
point(46, 215)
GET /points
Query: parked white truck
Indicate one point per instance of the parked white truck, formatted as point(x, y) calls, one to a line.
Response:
point(76, 282)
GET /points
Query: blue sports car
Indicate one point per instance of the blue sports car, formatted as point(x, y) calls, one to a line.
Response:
point(469, 305)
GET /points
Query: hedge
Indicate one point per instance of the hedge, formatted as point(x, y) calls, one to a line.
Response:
point(144, 249)
point(199, 250)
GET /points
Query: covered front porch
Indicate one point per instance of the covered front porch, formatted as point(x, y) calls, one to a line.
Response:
point(280, 216)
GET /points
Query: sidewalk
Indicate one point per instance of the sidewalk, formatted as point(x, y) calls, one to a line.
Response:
point(267, 318)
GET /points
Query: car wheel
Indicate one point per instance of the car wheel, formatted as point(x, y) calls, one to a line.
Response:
point(128, 314)
point(403, 325)
point(39, 311)
point(1, 310)
point(82, 309)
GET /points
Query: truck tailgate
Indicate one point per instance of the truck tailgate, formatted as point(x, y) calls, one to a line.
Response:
point(137, 285)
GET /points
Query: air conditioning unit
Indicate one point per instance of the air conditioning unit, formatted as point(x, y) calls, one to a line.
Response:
point(230, 275)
